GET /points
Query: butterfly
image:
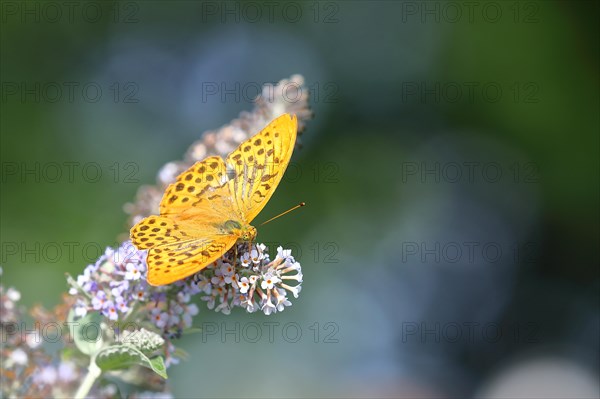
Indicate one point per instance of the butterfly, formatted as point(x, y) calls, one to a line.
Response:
point(208, 209)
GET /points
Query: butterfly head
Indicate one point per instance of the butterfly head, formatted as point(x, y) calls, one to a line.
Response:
point(248, 234)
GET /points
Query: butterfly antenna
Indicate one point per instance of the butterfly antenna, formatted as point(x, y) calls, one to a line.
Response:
point(283, 213)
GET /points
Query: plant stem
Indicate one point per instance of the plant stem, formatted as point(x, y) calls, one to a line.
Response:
point(93, 373)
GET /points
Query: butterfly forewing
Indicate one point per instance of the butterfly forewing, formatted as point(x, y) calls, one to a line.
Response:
point(194, 187)
point(258, 165)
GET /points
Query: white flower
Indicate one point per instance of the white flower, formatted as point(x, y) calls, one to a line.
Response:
point(269, 281)
point(132, 272)
point(294, 290)
point(140, 294)
point(168, 173)
point(13, 294)
point(255, 256)
point(47, 375)
point(202, 283)
point(218, 280)
point(223, 307)
point(267, 306)
point(119, 287)
point(67, 371)
point(245, 259)
point(33, 340)
point(210, 301)
point(183, 297)
point(282, 300)
point(244, 285)
point(248, 303)
point(297, 277)
point(283, 253)
point(227, 270)
point(19, 357)
point(291, 267)
point(83, 278)
point(191, 310)
point(80, 311)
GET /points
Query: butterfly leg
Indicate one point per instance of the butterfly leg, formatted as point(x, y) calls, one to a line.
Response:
point(235, 256)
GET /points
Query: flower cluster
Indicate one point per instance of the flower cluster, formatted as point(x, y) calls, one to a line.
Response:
point(116, 287)
point(114, 284)
point(246, 277)
point(27, 370)
point(171, 309)
point(250, 280)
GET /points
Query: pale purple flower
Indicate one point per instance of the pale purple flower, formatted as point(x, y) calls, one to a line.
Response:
point(67, 371)
point(110, 310)
point(133, 272)
point(46, 376)
point(159, 318)
point(99, 300)
point(121, 304)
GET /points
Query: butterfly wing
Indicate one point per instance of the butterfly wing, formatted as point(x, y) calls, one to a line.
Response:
point(258, 165)
point(195, 186)
point(189, 234)
point(172, 262)
point(178, 249)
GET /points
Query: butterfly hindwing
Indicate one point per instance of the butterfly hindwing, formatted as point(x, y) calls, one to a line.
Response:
point(174, 261)
point(157, 230)
point(259, 164)
point(178, 249)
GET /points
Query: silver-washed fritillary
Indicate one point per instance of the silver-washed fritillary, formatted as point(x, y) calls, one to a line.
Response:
point(210, 206)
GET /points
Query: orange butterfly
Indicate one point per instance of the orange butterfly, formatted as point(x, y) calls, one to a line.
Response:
point(210, 206)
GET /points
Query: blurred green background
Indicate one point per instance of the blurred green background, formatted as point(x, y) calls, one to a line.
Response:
point(409, 99)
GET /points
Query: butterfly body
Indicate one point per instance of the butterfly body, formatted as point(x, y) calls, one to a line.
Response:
point(210, 206)
point(245, 232)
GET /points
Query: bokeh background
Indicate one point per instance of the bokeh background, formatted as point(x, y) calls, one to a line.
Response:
point(450, 245)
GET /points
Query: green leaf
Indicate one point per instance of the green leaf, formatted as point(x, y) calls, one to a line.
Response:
point(88, 333)
point(158, 366)
point(122, 356)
